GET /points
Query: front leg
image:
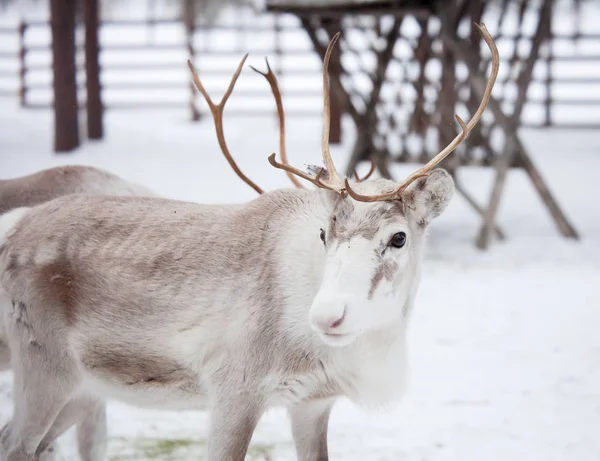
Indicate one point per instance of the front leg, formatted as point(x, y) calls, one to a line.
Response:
point(232, 422)
point(309, 429)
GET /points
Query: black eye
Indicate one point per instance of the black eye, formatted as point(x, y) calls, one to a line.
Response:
point(398, 240)
point(322, 236)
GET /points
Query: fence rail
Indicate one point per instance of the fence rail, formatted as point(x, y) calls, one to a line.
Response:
point(159, 68)
point(26, 69)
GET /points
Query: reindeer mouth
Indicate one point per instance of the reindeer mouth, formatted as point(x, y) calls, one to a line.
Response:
point(335, 335)
point(338, 339)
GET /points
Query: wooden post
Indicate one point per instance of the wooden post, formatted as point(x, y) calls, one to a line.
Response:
point(66, 128)
point(22, 64)
point(337, 88)
point(446, 96)
point(475, 136)
point(419, 122)
point(277, 32)
point(92, 71)
point(363, 148)
point(189, 19)
point(471, 201)
point(513, 146)
point(549, 73)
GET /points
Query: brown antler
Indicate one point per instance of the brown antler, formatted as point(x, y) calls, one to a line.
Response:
point(217, 113)
point(465, 129)
point(334, 181)
point(272, 79)
point(368, 175)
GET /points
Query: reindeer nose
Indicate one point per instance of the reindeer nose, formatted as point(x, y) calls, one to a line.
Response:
point(329, 322)
point(339, 321)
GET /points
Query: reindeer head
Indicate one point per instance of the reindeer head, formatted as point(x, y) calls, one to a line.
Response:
point(373, 254)
point(374, 238)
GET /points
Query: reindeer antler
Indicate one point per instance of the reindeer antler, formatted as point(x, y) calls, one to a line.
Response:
point(272, 79)
point(465, 129)
point(368, 175)
point(334, 181)
point(217, 113)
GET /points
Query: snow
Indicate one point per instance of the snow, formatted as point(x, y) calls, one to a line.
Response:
point(504, 344)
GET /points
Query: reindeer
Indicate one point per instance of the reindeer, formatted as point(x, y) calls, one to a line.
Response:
point(45, 185)
point(38, 188)
point(293, 299)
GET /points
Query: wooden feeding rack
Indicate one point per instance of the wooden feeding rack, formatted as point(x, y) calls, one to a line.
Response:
point(404, 68)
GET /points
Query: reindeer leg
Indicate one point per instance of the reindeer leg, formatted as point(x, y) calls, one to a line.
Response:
point(5, 307)
point(45, 377)
point(90, 415)
point(91, 434)
point(309, 429)
point(48, 453)
point(4, 356)
point(233, 420)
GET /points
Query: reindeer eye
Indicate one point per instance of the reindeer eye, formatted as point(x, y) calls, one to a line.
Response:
point(323, 236)
point(398, 240)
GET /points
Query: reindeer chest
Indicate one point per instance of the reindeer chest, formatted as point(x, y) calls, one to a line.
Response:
point(293, 390)
point(372, 377)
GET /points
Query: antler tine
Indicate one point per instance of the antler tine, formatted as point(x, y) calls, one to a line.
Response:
point(420, 173)
point(457, 141)
point(465, 129)
point(368, 175)
point(217, 113)
point(335, 180)
point(477, 116)
point(316, 180)
point(493, 74)
point(272, 79)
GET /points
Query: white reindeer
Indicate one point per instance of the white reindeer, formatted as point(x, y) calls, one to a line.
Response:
point(295, 299)
point(38, 188)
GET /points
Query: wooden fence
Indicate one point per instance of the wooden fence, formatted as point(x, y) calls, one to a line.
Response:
point(25, 69)
point(215, 65)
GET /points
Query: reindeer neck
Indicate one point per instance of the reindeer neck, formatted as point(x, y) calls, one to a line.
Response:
point(289, 222)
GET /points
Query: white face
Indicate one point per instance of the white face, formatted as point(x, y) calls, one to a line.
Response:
point(372, 268)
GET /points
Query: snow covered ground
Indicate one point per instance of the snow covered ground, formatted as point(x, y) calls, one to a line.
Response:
point(505, 345)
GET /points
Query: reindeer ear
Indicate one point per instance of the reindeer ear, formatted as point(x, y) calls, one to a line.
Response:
point(428, 197)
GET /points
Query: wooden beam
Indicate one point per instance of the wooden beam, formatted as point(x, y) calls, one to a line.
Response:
point(513, 146)
point(95, 128)
point(66, 127)
point(471, 201)
point(189, 19)
point(335, 83)
point(368, 127)
point(446, 103)
point(22, 64)
point(325, 9)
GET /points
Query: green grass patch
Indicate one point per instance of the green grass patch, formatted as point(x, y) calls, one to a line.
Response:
point(155, 449)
